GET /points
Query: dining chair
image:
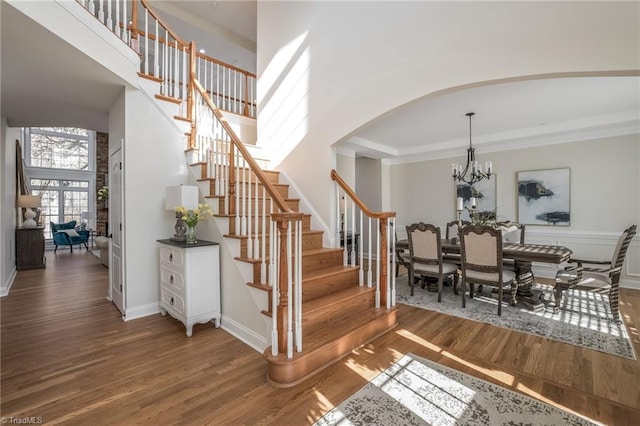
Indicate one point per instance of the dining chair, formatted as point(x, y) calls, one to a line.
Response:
point(481, 249)
point(601, 276)
point(425, 252)
point(512, 232)
point(450, 233)
point(401, 254)
point(452, 229)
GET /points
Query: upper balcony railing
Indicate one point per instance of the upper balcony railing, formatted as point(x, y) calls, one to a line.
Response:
point(165, 57)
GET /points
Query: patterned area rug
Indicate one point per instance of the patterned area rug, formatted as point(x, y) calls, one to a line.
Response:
point(583, 319)
point(417, 391)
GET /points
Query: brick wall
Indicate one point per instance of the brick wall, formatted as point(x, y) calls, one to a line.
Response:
point(102, 170)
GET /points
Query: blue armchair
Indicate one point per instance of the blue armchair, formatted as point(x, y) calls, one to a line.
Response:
point(65, 234)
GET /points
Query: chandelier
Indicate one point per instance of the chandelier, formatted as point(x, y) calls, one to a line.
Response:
point(473, 169)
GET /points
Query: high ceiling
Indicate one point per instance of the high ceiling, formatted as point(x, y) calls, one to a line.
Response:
point(508, 115)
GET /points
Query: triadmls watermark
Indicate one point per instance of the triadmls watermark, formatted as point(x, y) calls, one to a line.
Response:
point(25, 420)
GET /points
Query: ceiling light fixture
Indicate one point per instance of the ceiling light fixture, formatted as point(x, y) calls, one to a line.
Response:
point(472, 167)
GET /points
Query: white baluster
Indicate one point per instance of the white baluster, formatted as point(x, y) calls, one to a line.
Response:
point(176, 69)
point(243, 217)
point(109, 16)
point(359, 251)
point(290, 293)
point(165, 67)
point(263, 266)
point(298, 281)
point(125, 22)
point(146, 42)
point(256, 232)
point(238, 211)
point(370, 253)
point(185, 79)
point(116, 28)
point(218, 85)
point(345, 257)
point(101, 11)
point(378, 264)
point(394, 260)
point(227, 171)
point(246, 192)
point(336, 242)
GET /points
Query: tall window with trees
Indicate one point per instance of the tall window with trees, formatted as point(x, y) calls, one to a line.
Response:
point(60, 166)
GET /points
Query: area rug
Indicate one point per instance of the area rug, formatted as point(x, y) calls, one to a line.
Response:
point(582, 320)
point(417, 391)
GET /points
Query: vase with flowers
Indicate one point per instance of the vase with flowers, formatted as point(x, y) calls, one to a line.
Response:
point(191, 219)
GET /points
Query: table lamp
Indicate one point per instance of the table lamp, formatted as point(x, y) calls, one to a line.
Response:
point(29, 202)
point(186, 196)
point(85, 217)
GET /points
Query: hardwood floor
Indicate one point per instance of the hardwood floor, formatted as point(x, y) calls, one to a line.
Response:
point(69, 358)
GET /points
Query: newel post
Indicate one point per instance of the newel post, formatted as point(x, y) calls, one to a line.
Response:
point(283, 285)
point(191, 107)
point(246, 95)
point(384, 253)
point(232, 180)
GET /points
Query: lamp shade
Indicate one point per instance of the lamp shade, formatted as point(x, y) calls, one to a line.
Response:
point(29, 201)
point(182, 195)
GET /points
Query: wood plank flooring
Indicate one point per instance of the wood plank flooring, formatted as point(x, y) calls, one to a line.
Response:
point(67, 356)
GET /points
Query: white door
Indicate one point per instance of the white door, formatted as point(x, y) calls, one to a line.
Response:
point(115, 229)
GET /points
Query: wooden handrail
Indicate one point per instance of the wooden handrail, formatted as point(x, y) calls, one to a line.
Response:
point(275, 195)
point(379, 215)
point(226, 65)
point(162, 23)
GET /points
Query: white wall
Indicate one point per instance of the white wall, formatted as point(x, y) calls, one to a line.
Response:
point(605, 194)
point(8, 213)
point(153, 159)
point(333, 66)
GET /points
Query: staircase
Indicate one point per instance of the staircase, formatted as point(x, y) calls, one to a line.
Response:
point(338, 315)
point(315, 302)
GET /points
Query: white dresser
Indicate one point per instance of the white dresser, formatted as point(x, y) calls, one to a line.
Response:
point(190, 282)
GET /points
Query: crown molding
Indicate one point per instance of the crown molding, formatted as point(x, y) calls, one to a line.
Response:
point(607, 126)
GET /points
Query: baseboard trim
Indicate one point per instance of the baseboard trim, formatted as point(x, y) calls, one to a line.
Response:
point(141, 311)
point(6, 286)
point(240, 332)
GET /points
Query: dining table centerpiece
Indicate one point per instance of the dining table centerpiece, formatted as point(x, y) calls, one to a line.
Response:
point(191, 219)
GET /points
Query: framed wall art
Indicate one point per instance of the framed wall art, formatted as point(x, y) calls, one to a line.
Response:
point(485, 194)
point(544, 197)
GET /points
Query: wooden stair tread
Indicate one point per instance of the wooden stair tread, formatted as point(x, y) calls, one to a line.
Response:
point(244, 237)
point(321, 251)
point(259, 286)
point(335, 329)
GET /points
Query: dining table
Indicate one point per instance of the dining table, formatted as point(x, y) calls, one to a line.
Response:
point(523, 256)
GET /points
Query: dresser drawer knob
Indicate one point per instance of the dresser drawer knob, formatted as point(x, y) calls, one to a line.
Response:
point(171, 301)
point(171, 279)
point(170, 257)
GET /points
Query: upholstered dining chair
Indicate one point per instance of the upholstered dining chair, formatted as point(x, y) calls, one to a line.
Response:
point(481, 249)
point(401, 254)
point(425, 253)
point(452, 228)
point(601, 276)
point(452, 232)
point(512, 232)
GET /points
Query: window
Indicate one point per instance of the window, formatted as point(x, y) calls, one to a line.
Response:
point(60, 166)
point(59, 148)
